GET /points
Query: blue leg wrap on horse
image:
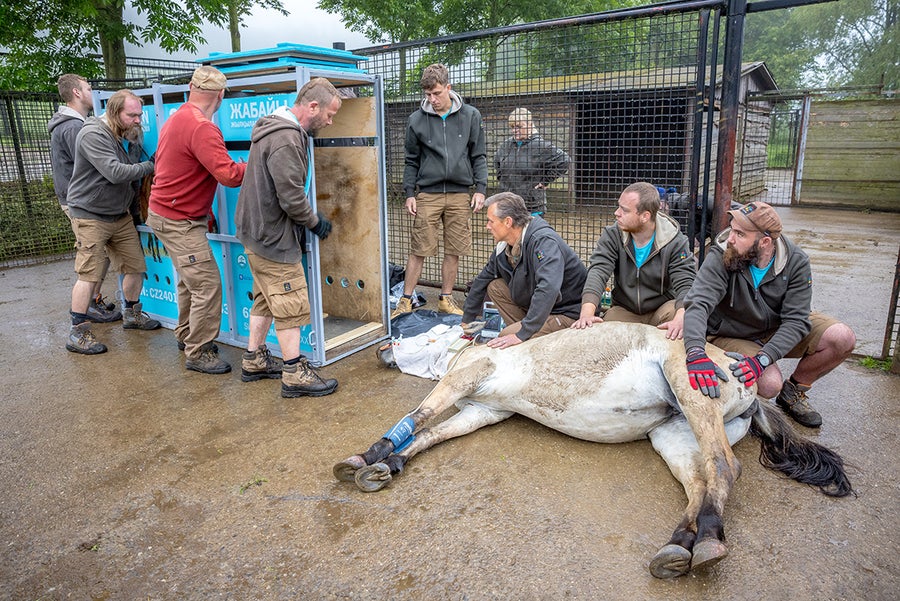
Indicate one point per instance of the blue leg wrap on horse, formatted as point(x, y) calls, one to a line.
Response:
point(401, 432)
point(405, 443)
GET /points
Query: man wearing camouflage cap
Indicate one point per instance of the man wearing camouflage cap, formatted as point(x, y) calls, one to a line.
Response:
point(752, 297)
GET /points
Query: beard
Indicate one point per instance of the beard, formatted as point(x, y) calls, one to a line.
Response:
point(735, 261)
point(133, 133)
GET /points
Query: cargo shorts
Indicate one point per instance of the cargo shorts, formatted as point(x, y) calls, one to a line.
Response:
point(453, 213)
point(279, 291)
point(96, 239)
point(807, 346)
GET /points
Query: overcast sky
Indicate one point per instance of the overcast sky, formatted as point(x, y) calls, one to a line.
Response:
point(305, 24)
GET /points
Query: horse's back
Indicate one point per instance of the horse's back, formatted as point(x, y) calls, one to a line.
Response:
point(603, 383)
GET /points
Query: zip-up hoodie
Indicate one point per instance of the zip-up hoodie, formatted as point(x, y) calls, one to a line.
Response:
point(273, 207)
point(521, 166)
point(64, 126)
point(547, 279)
point(723, 303)
point(667, 273)
point(106, 178)
point(445, 155)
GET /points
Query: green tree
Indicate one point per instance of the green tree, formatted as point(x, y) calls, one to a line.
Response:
point(47, 37)
point(400, 21)
point(851, 42)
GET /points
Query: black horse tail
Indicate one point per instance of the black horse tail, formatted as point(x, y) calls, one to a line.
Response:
point(783, 450)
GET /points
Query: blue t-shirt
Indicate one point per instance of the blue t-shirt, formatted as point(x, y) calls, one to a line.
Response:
point(642, 252)
point(757, 273)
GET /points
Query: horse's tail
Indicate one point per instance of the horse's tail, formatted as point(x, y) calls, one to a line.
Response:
point(783, 450)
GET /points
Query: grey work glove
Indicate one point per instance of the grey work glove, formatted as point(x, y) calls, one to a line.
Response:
point(323, 228)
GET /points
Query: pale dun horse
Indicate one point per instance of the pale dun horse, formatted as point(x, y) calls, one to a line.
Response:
point(614, 382)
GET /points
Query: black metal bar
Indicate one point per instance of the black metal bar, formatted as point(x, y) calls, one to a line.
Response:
point(713, 61)
point(889, 327)
point(731, 86)
point(699, 107)
point(763, 5)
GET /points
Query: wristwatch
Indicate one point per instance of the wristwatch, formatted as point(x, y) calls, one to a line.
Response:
point(763, 359)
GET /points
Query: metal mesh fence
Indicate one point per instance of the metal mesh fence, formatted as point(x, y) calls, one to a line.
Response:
point(619, 93)
point(32, 225)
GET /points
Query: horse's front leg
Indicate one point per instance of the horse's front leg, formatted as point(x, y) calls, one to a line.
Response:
point(455, 385)
point(471, 417)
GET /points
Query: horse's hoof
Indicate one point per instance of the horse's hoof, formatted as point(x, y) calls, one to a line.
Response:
point(345, 471)
point(671, 561)
point(373, 477)
point(707, 553)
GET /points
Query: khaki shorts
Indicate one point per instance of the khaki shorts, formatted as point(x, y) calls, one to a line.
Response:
point(453, 212)
point(96, 239)
point(279, 291)
point(666, 312)
point(807, 346)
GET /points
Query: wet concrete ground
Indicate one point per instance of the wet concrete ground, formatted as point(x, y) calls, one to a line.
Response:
point(127, 477)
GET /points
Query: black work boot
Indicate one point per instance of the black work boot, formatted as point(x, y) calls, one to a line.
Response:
point(81, 340)
point(135, 319)
point(300, 379)
point(259, 364)
point(209, 361)
point(792, 399)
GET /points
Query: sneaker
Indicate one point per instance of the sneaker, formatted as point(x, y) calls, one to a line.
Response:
point(81, 340)
point(98, 312)
point(792, 400)
point(404, 305)
point(300, 379)
point(135, 319)
point(208, 362)
point(446, 304)
point(259, 364)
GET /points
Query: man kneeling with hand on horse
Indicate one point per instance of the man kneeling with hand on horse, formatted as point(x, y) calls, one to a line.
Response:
point(752, 296)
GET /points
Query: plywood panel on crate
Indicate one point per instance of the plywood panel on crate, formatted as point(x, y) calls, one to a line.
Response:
point(355, 119)
point(347, 194)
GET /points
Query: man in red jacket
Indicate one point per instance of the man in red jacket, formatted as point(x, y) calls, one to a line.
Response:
point(190, 160)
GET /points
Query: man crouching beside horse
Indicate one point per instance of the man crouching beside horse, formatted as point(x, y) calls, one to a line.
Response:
point(615, 382)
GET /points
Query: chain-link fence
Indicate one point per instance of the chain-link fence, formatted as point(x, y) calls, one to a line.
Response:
point(32, 224)
point(621, 93)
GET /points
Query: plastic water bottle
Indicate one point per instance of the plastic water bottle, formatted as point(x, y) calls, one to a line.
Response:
point(606, 299)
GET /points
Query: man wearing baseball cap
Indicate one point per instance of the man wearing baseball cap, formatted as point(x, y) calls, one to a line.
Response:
point(191, 160)
point(752, 297)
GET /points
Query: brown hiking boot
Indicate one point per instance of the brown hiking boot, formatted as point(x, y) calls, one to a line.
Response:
point(259, 364)
point(404, 305)
point(81, 340)
point(208, 362)
point(446, 304)
point(97, 312)
point(300, 379)
point(135, 319)
point(792, 400)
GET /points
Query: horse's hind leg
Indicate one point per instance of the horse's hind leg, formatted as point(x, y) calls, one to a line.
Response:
point(470, 418)
point(698, 541)
point(675, 443)
point(456, 384)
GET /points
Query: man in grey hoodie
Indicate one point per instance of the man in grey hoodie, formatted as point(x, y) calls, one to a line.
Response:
point(64, 126)
point(273, 208)
point(752, 297)
point(445, 158)
point(651, 261)
point(104, 208)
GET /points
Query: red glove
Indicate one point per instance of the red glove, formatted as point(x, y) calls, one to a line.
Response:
point(748, 369)
point(703, 374)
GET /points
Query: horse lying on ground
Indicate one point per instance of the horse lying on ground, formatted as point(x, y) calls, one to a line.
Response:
point(614, 382)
